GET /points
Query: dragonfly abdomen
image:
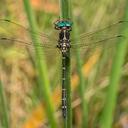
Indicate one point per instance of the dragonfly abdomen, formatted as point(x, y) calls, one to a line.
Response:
point(64, 93)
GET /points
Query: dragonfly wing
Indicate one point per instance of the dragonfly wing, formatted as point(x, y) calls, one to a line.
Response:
point(10, 28)
point(100, 34)
point(22, 46)
point(103, 44)
point(99, 43)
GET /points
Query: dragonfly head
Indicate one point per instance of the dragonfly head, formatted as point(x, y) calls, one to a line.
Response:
point(63, 25)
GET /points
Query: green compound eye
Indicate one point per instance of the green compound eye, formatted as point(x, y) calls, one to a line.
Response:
point(68, 23)
point(61, 24)
point(64, 24)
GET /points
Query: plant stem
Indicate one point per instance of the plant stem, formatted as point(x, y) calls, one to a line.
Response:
point(65, 14)
point(81, 83)
point(112, 92)
point(41, 65)
point(82, 91)
point(65, 9)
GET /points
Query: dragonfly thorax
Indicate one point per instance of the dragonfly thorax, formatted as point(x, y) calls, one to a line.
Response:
point(64, 41)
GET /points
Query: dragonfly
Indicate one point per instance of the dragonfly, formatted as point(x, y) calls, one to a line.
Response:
point(64, 43)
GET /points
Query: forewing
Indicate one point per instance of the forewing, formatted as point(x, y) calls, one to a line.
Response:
point(90, 38)
point(20, 32)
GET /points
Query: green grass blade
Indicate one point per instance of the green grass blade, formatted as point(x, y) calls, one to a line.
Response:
point(112, 92)
point(84, 106)
point(41, 66)
point(3, 108)
point(65, 9)
point(65, 14)
point(81, 81)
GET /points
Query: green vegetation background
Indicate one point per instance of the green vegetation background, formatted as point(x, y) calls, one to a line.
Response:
point(27, 79)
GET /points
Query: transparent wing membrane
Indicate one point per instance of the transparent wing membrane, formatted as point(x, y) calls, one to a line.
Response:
point(25, 45)
point(101, 34)
point(104, 37)
point(7, 40)
point(105, 41)
point(106, 45)
point(21, 31)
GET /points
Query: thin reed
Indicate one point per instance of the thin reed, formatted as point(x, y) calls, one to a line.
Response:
point(65, 14)
point(41, 66)
point(113, 87)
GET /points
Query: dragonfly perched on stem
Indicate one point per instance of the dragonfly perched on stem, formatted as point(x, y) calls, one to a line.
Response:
point(104, 37)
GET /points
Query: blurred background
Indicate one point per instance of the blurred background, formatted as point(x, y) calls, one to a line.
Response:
point(21, 97)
